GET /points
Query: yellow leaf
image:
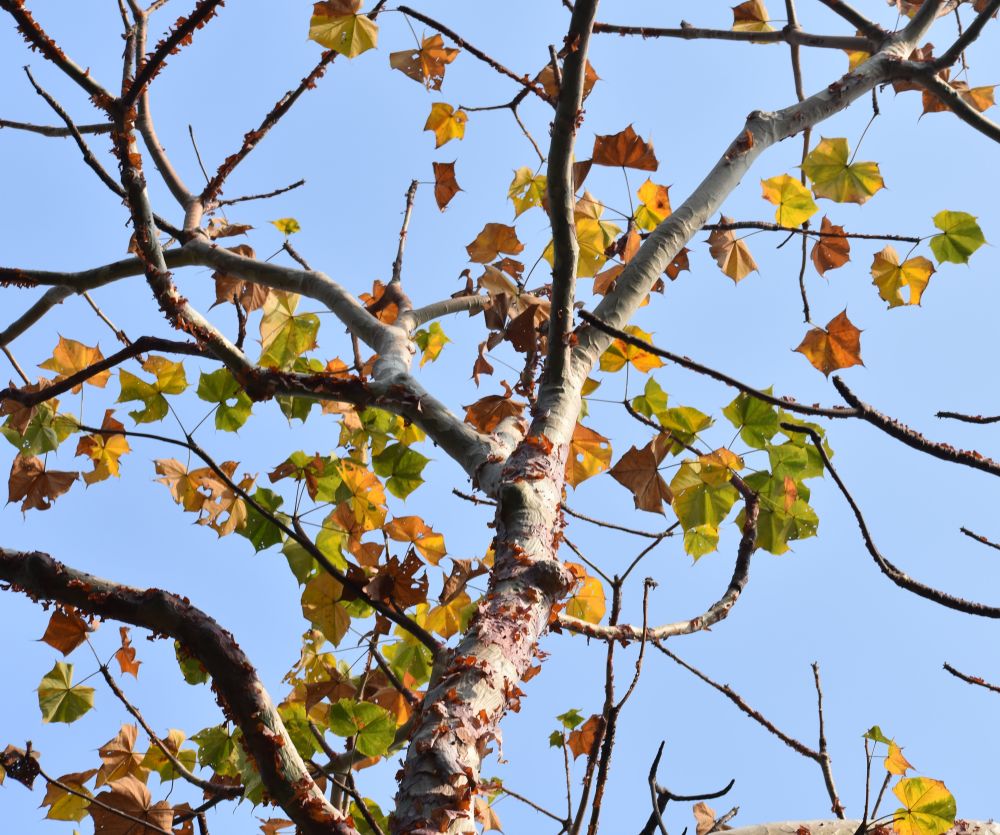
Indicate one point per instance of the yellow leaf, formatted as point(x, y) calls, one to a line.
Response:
point(891, 277)
point(654, 205)
point(413, 529)
point(452, 617)
point(621, 352)
point(795, 203)
point(527, 189)
point(928, 807)
point(836, 179)
point(286, 225)
point(587, 602)
point(427, 64)
point(446, 123)
point(70, 357)
point(589, 454)
point(751, 16)
point(332, 26)
point(895, 762)
point(104, 450)
point(367, 501)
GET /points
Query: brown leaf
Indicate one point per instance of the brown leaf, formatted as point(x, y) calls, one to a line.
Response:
point(581, 741)
point(547, 78)
point(119, 758)
point(488, 411)
point(38, 487)
point(126, 655)
point(981, 98)
point(221, 228)
point(637, 470)
point(732, 255)
point(831, 249)
point(704, 816)
point(66, 630)
point(445, 184)
point(491, 241)
point(461, 572)
point(838, 346)
point(524, 328)
point(130, 796)
point(272, 826)
point(625, 148)
point(396, 582)
point(481, 365)
point(246, 294)
point(678, 265)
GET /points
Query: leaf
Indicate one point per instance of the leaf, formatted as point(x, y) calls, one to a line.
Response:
point(795, 203)
point(581, 741)
point(119, 758)
point(333, 26)
point(589, 454)
point(430, 341)
point(66, 630)
point(960, 237)
point(61, 701)
point(401, 467)
point(217, 750)
point(835, 178)
point(104, 450)
point(928, 807)
point(831, 249)
point(587, 602)
point(221, 387)
point(756, 420)
point(637, 470)
point(547, 78)
point(570, 719)
point(451, 617)
point(980, 98)
point(891, 277)
point(192, 670)
point(367, 498)
point(652, 401)
point(70, 357)
point(446, 123)
point(285, 334)
point(895, 762)
point(169, 379)
point(414, 530)
point(445, 184)
point(654, 205)
point(620, 352)
point(286, 225)
point(131, 797)
point(625, 148)
point(372, 727)
point(487, 412)
point(703, 498)
point(38, 487)
point(491, 241)
point(64, 806)
point(125, 655)
point(260, 530)
point(156, 760)
point(527, 190)
point(838, 346)
point(427, 64)
point(732, 255)
point(751, 16)
point(322, 606)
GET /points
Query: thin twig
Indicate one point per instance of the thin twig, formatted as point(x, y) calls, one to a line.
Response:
point(979, 682)
point(265, 196)
point(53, 130)
point(979, 538)
point(825, 763)
point(16, 365)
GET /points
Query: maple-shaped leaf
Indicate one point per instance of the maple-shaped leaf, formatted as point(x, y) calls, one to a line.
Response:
point(445, 184)
point(960, 237)
point(703, 498)
point(367, 498)
point(286, 225)
point(131, 797)
point(980, 98)
point(414, 530)
point(486, 816)
point(589, 454)
point(234, 404)
point(832, 249)
point(836, 346)
point(372, 727)
point(232, 289)
point(401, 467)
point(751, 16)
point(487, 412)
point(547, 78)
point(430, 341)
point(59, 699)
point(654, 205)
point(452, 617)
point(156, 760)
point(70, 357)
point(64, 805)
point(336, 25)
point(125, 654)
point(66, 630)
point(732, 255)
point(104, 449)
point(169, 379)
point(625, 148)
point(427, 64)
point(928, 807)
point(581, 741)
point(446, 123)
point(322, 606)
point(593, 234)
point(756, 420)
point(119, 758)
point(638, 471)
point(794, 201)
point(274, 826)
point(835, 178)
point(37, 487)
point(892, 277)
point(492, 240)
point(895, 762)
point(527, 189)
point(620, 352)
point(285, 334)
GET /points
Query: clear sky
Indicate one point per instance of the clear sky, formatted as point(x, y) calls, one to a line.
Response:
point(357, 139)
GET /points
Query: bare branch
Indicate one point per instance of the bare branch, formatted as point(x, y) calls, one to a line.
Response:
point(794, 37)
point(824, 761)
point(855, 18)
point(52, 130)
point(769, 226)
point(264, 196)
point(979, 682)
point(969, 418)
point(981, 539)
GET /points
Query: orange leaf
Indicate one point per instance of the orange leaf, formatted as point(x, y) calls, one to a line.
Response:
point(589, 454)
point(126, 655)
point(492, 240)
point(71, 356)
point(488, 411)
point(832, 249)
point(838, 346)
point(445, 184)
point(581, 741)
point(66, 630)
point(625, 148)
point(427, 64)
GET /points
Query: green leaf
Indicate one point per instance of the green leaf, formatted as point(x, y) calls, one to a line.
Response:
point(169, 378)
point(410, 657)
point(571, 718)
point(350, 35)
point(430, 341)
point(928, 807)
point(300, 561)
point(701, 540)
point(46, 430)
point(756, 420)
point(835, 178)
point(156, 760)
point(557, 739)
point(874, 733)
point(221, 387)
point(217, 750)
point(700, 500)
point(322, 607)
point(262, 532)
point(402, 467)
point(684, 423)
point(373, 727)
point(61, 701)
point(191, 667)
point(652, 401)
point(960, 237)
point(293, 715)
point(375, 811)
point(284, 334)
point(253, 787)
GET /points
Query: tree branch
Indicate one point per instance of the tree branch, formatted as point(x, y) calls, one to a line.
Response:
point(794, 37)
point(52, 130)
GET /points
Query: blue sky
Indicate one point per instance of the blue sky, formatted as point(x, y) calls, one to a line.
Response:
point(357, 140)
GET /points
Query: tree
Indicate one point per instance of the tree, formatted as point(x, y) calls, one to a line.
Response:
point(439, 670)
